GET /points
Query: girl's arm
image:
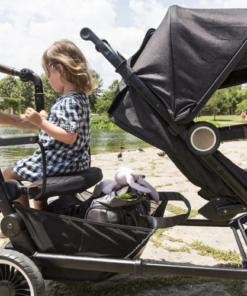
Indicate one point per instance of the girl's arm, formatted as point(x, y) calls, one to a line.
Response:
point(51, 129)
point(18, 121)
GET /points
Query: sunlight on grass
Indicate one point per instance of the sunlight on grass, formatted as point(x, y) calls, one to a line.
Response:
point(220, 120)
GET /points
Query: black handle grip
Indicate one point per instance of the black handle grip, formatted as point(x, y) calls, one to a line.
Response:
point(6, 69)
point(9, 70)
point(106, 51)
point(86, 33)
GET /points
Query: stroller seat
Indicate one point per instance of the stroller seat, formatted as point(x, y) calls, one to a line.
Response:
point(62, 185)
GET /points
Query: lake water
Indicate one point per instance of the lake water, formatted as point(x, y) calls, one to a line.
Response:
point(102, 141)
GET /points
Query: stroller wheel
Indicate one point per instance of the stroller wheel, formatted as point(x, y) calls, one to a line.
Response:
point(19, 276)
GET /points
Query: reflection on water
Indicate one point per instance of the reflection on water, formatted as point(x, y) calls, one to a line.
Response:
point(102, 141)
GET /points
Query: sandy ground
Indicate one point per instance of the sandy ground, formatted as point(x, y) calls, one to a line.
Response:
point(164, 176)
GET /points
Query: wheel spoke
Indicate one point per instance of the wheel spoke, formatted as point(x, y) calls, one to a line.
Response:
point(11, 273)
point(5, 271)
point(21, 284)
point(23, 292)
point(19, 277)
point(15, 275)
point(1, 272)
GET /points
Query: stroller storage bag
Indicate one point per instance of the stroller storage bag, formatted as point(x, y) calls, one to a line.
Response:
point(125, 206)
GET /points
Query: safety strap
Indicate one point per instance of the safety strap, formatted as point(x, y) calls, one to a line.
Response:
point(158, 221)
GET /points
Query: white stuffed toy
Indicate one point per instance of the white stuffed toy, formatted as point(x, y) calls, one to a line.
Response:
point(126, 176)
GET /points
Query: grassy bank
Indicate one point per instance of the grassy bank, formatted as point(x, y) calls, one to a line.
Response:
point(221, 119)
point(102, 121)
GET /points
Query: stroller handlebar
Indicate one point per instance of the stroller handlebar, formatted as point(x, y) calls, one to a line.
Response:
point(27, 75)
point(102, 46)
point(9, 70)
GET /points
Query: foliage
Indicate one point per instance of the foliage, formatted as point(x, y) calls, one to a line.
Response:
point(225, 100)
point(49, 92)
point(26, 93)
point(243, 104)
point(11, 87)
point(97, 92)
point(101, 121)
point(104, 102)
point(9, 103)
point(8, 87)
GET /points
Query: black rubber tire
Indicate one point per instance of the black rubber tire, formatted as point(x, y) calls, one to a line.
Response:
point(22, 267)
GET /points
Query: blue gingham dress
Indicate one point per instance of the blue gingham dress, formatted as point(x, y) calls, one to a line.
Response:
point(72, 113)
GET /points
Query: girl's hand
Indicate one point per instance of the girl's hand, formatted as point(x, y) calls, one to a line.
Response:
point(43, 113)
point(33, 116)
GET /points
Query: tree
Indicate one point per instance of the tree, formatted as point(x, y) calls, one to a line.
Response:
point(105, 101)
point(8, 87)
point(49, 92)
point(11, 103)
point(97, 92)
point(25, 91)
point(241, 106)
point(224, 99)
point(234, 98)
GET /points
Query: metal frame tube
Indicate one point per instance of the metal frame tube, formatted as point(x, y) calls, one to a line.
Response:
point(136, 267)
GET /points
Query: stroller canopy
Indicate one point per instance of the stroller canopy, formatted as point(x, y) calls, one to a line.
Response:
point(192, 54)
point(183, 62)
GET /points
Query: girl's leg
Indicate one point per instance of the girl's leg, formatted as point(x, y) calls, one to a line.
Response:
point(39, 204)
point(8, 174)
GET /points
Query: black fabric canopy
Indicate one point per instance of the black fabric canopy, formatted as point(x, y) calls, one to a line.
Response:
point(190, 55)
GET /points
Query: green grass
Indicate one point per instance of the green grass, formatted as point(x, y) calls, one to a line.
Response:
point(122, 287)
point(182, 249)
point(159, 232)
point(156, 243)
point(154, 175)
point(177, 210)
point(220, 120)
point(204, 250)
point(234, 288)
point(158, 186)
point(141, 169)
point(174, 240)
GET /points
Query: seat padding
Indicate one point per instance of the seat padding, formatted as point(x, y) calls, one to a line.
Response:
point(61, 185)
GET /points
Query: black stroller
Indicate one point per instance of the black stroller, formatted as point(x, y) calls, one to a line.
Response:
point(165, 84)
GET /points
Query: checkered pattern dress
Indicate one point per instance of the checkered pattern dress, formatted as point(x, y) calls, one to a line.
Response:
point(72, 113)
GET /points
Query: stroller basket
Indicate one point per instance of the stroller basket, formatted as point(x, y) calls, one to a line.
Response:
point(64, 235)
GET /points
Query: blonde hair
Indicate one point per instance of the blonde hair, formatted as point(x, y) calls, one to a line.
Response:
point(67, 54)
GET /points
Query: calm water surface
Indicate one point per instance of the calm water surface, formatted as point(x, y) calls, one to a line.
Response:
point(102, 141)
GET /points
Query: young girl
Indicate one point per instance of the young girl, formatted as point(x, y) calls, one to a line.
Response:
point(65, 132)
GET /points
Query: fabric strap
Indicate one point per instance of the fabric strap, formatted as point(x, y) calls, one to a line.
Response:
point(158, 221)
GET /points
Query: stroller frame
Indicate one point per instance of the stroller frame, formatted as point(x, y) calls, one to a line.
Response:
point(22, 244)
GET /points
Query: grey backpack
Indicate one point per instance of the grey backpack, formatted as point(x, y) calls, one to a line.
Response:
point(125, 206)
